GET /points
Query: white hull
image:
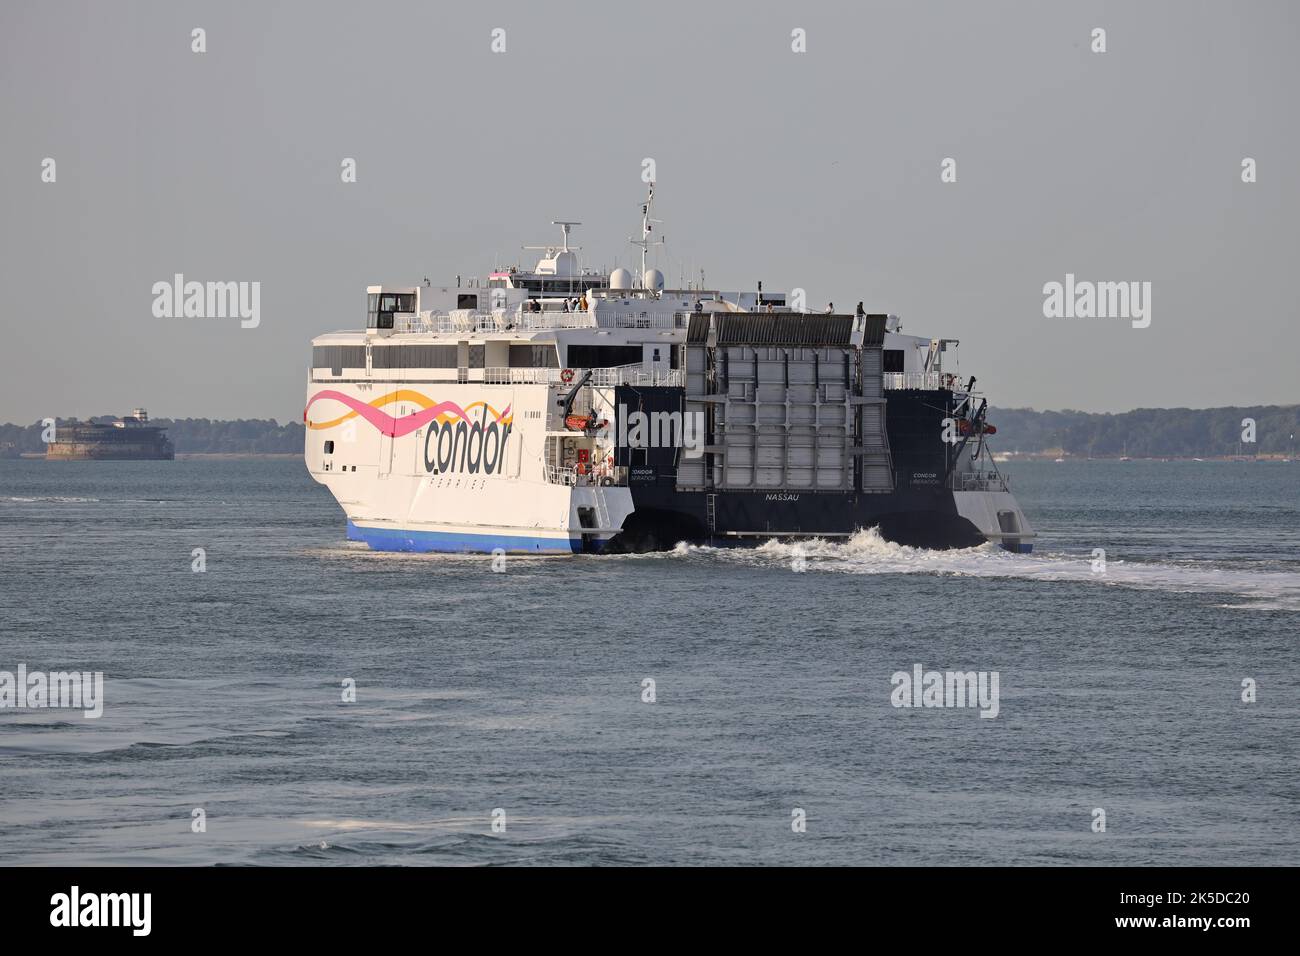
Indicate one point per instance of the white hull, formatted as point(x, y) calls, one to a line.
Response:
point(397, 498)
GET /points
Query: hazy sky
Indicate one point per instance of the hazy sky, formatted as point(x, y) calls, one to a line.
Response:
point(818, 170)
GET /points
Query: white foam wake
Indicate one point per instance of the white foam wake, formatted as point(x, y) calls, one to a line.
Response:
point(868, 553)
point(54, 499)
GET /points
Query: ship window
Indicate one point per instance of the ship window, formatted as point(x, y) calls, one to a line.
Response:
point(329, 448)
point(476, 356)
point(338, 357)
point(893, 360)
point(533, 356)
point(413, 356)
point(467, 300)
point(603, 356)
point(381, 306)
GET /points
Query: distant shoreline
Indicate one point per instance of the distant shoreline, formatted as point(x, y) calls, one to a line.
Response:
point(1002, 458)
point(239, 454)
point(1012, 457)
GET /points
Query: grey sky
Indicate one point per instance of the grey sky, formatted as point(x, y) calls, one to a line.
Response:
point(818, 170)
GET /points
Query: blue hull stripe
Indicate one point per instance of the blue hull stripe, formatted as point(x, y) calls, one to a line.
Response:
point(395, 539)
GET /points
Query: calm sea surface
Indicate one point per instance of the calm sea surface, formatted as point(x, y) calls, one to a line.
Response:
point(522, 690)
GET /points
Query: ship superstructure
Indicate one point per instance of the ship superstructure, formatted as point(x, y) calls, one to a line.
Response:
point(558, 411)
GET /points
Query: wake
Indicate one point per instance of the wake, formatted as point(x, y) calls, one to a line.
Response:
point(868, 553)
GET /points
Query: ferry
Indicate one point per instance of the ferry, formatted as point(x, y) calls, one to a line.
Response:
point(561, 410)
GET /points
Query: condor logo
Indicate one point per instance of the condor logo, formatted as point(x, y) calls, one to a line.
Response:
point(471, 445)
point(457, 440)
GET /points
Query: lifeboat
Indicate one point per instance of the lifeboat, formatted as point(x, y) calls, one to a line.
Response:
point(968, 427)
point(583, 423)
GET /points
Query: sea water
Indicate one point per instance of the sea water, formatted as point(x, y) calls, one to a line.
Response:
point(697, 706)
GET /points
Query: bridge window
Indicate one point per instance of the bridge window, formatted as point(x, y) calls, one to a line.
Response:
point(380, 307)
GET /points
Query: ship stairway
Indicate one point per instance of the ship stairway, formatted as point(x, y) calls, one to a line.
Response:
point(602, 507)
point(711, 512)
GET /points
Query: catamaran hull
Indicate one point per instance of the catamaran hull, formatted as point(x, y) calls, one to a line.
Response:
point(458, 469)
point(659, 521)
point(921, 519)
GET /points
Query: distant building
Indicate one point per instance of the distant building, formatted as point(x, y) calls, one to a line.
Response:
point(130, 438)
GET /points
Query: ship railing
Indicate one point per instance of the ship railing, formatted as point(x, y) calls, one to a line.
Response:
point(918, 380)
point(459, 320)
point(498, 320)
point(642, 319)
point(634, 374)
point(506, 320)
point(598, 476)
point(554, 320)
point(981, 481)
point(600, 377)
point(520, 376)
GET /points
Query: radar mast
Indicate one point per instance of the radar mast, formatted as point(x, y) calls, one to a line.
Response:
point(647, 226)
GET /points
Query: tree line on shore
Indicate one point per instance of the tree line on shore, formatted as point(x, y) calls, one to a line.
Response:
point(1149, 432)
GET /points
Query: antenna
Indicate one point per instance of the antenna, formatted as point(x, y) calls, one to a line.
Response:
point(646, 228)
point(564, 230)
point(565, 225)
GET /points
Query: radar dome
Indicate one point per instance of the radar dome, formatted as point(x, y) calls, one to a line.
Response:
point(653, 280)
point(620, 279)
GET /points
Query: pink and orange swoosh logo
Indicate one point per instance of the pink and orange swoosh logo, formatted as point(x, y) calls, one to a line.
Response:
point(397, 427)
